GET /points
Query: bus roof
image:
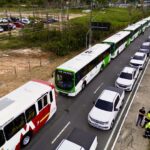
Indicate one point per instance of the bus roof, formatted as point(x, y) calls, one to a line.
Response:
point(79, 61)
point(141, 22)
point(132, 27)
point(117, 37)
point(16, 102)
point(148, 19)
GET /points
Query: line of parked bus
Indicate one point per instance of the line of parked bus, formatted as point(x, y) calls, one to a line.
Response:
point(73, 76)
point(25, 110)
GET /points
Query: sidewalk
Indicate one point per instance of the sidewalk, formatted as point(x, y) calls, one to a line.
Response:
point(131, 137)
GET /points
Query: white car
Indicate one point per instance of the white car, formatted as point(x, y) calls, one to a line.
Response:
point(127, 78)
point(138, 60)
point(148, 39)
point(145, 48)
point(4, 20)
point(106, 108)
point(1, 29)
point(25, 21)
point(79, 140)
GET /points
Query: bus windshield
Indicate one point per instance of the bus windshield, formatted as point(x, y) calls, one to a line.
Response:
point(64, 79)
point(2, 139)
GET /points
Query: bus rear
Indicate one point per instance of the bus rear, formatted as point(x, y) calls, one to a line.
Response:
point(25, 110)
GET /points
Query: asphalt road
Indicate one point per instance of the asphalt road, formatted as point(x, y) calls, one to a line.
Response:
point(73, 112)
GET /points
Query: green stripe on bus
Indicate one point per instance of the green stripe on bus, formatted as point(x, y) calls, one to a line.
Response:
point(106, 60)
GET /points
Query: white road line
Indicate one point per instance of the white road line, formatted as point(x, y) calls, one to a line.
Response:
point(114, 129)
point(98, 88)
point(61, 132)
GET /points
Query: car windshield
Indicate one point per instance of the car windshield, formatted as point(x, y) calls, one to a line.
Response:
point(2, 139)
point(138, 57)
point(64, 80)
point(144, 47)
point(148, 40)
point(104, 105)
point(126, 75)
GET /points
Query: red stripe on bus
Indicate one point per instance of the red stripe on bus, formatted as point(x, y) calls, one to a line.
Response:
point(45, 82)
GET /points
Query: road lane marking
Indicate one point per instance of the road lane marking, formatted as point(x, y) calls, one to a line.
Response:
point(114, 129)
point(61, 132)
point(98, 88)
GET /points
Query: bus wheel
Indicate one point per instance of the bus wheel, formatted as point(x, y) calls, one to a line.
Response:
point(83, 85)
point(26, 140)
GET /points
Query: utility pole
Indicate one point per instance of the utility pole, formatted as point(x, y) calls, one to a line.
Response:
point(90, 26)
point(67, 3)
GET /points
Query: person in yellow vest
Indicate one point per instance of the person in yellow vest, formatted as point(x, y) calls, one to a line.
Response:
point(147, 118)
point(147, 130)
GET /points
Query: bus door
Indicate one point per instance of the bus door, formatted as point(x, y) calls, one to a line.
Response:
point(113, 50)
point(43, 111)
point(52, 102)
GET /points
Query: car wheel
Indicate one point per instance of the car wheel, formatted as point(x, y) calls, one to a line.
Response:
point(121, 105)
point(26, 140)
point(112, 123)
point(131, 89)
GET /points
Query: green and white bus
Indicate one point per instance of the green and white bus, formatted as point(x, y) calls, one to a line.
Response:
point(144, 24)
point(147, 19)
point(72, 76)
point(118, 42)
point(135, 30)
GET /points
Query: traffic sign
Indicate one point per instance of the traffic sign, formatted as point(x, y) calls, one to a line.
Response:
point(102, 26)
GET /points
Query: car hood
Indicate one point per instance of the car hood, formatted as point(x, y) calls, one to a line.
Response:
point(134, 61)
point(124, 81)
point(100, 115)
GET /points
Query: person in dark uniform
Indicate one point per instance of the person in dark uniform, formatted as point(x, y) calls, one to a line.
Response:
point(140, 116)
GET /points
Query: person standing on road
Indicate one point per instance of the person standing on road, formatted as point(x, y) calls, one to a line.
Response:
point(140, 116)
point(147, 118)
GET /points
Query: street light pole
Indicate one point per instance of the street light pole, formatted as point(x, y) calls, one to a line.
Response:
point(90, 26)
point(67, 3)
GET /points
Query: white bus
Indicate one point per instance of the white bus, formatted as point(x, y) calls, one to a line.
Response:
point(118, 42)
point(144, 24)
point(135, 30)
point(72, 76)
point(24, 111)
point(147, 19)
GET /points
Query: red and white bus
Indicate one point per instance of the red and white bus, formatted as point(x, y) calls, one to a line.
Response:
point(24, 111)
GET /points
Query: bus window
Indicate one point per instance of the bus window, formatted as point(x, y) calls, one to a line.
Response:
point(78, 77)
point(51, 96)
point(2, 139)
point(13, 127)
point(30, 113)
point(40, 104)
point(45, 100)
